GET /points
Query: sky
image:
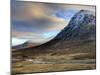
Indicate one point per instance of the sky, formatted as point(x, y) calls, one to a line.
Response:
point(40, 22)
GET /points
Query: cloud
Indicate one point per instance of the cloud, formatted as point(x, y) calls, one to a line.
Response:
point(29, 10)
point(34, 37)
point(41, 21)
point(27, 35)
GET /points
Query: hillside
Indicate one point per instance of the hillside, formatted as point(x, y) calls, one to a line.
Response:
point(80, 29)
point(74, 48)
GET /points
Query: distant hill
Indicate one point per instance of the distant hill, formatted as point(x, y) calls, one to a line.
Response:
point(27, 44)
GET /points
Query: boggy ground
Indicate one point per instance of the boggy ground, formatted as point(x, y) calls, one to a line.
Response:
point(73, 57)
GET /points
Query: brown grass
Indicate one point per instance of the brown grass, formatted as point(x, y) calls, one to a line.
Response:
point(83, 51)
point(52, 67)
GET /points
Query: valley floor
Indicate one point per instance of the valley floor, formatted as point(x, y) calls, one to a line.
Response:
point(80, 57)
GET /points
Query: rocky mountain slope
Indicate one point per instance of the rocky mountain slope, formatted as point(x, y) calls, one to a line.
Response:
point(81, 28)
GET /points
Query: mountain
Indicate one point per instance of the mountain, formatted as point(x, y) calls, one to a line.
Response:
point(25, 45)
point(20, 46)
point(74, 48)
point(81, 28)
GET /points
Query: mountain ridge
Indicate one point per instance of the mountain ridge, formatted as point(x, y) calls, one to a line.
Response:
point(80, 28)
